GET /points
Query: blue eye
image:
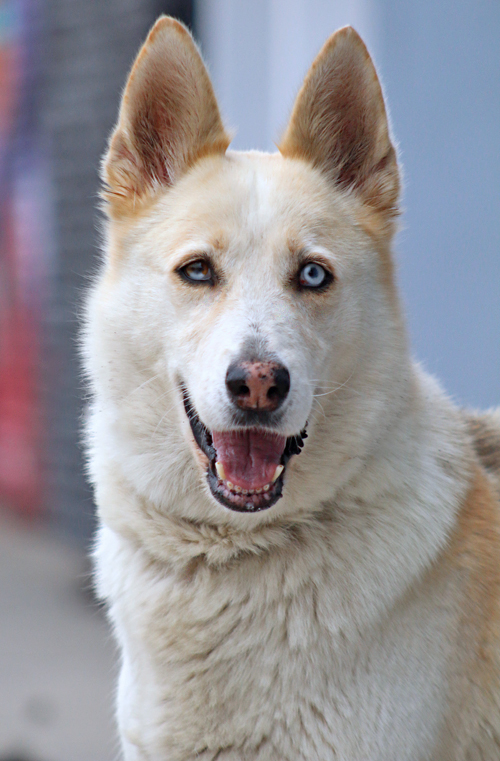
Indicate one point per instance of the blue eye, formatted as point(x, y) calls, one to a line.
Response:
point(313, 275)
point(197, 272)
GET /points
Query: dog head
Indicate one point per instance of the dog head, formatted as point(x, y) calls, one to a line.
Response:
point(246, 299)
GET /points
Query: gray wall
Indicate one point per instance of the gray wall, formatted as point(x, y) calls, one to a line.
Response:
point(440, 64)
point(89, 49)
point(441, 67)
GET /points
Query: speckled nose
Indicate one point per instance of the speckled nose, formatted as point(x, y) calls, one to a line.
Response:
point(257, 385)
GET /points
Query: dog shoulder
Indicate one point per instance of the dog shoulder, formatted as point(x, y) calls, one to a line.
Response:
point(485, 431)
point(474, 557)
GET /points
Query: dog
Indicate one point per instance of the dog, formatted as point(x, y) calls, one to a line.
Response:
point(299, 539)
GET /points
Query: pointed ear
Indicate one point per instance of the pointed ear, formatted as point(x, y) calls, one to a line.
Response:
point(339, 123)
point(168, 117)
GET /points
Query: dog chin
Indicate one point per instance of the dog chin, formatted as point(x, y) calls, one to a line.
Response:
point(247, 496)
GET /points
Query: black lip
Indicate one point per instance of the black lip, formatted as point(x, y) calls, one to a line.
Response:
point(239, 502)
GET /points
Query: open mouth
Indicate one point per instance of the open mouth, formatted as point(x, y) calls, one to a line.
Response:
point(246, 467)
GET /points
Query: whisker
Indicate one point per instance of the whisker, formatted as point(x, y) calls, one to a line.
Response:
point(161, 396)
point(337, 388)
point(163, 418)
point(145, 383)
point(321, 408)
point(334, 391)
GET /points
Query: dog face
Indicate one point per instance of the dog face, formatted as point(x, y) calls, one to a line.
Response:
point(243, 292)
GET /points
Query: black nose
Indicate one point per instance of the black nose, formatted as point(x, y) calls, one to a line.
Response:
point(258, 385)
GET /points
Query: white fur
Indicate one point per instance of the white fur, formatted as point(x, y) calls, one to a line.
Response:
point(315, 629)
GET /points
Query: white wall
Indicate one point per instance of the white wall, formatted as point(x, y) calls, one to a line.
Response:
point(441, 66)
point(259, 50)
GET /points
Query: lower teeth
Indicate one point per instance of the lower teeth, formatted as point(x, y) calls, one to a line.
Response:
point(244, 492)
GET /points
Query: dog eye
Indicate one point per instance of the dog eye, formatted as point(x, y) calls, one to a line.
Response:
point(313, 275)
point(197, 272)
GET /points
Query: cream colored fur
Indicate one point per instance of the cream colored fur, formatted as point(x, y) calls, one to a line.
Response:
point(357, 619)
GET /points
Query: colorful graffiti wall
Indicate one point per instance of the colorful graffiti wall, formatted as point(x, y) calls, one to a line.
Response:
point(22, 258)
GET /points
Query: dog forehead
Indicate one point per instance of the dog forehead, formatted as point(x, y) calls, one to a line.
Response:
point(255, 196)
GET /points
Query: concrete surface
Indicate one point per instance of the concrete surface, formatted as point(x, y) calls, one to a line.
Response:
point(57, 656)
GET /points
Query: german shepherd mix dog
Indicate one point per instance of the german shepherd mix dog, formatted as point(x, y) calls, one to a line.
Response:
point(300, 533)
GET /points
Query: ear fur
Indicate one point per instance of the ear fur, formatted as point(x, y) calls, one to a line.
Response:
point(168, 118)
point(339, 123)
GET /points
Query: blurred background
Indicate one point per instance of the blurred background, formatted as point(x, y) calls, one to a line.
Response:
point(63, 64)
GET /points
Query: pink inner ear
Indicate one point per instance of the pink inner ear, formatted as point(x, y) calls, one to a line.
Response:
point(339, 123)
point(169, 115)
point(154, 134)
point(122, 151)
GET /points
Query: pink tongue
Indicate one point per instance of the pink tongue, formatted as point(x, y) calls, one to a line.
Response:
point(249, 457)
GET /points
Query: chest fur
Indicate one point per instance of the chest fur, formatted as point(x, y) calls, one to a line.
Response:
point(243, 658)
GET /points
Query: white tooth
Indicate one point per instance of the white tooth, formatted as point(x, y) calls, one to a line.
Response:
point(257, 491)
point(277, 473)
point(219, 467)
point(229, 485)
point(266, 487)
point(238, 489)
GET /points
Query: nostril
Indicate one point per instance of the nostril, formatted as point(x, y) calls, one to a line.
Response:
point(236, 377)
point(281, 384)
